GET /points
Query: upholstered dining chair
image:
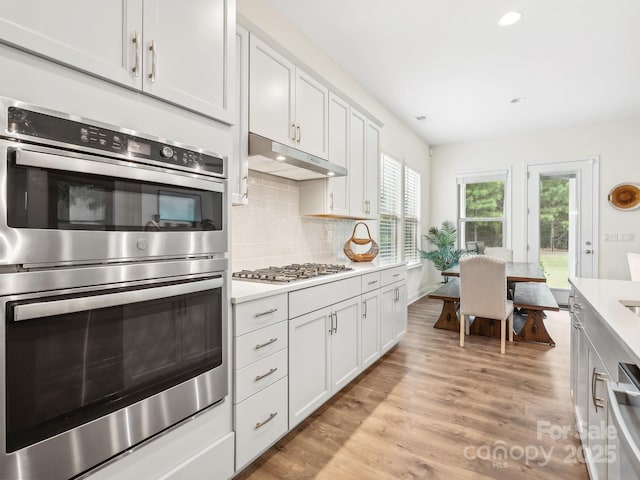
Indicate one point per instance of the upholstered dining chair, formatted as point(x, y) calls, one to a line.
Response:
point(634, 266)
point(505, 254)
point(483, 293)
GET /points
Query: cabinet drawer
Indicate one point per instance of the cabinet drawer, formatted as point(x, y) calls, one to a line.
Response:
point(314, 298)
point(215, 458)
point(260, 421)
point(370, 281)
point(256, 345)
point(259, 313)
point(253, 378)
point(391, 275)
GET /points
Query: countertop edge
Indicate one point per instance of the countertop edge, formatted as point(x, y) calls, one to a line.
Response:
point(245, 291)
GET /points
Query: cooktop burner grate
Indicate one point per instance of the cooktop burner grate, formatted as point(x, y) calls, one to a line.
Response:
point(290, 273)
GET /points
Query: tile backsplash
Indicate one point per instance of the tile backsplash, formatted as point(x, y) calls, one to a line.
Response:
point(270, 231)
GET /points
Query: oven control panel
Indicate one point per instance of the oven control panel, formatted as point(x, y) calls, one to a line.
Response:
point(40, 126)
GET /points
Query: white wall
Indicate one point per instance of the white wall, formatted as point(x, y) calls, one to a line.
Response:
point(617, 144)
point(395, 137)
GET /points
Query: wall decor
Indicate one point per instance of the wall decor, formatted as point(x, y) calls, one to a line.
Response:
point(625, 196)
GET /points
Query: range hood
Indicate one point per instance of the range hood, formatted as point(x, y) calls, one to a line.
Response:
point(284, 161)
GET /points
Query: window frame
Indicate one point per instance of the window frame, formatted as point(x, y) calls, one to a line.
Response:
point(481, 176)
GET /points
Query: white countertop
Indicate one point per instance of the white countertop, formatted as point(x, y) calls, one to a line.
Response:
point(244, 291)
point(605, 296)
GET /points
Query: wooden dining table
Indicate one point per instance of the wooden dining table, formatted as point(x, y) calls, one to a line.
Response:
point(531, 293)
point(516, 272)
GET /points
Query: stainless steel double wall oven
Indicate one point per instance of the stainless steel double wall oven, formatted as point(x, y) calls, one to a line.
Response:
point(113, 289)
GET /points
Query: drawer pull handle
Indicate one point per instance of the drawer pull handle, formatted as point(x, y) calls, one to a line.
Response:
point(262, 345)
point(373, 282)
point(272, 310)
point(396, 275)
point(262, 424)
point(270, 372)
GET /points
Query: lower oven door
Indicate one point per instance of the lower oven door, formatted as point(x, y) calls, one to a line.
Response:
point(89, 374)
point(66, 207)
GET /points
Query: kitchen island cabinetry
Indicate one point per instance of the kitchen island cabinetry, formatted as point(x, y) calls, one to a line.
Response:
point(287, 105)
point(147, 45)
point(596, 350)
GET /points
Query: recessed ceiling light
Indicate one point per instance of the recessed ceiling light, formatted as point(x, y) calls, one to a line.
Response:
point(509, 19)
point(517, 100)
point(280, 158)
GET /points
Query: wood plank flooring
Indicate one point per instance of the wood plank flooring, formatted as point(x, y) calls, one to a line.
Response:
point(432, 410)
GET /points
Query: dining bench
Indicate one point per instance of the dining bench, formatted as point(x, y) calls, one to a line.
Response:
point(534, 297)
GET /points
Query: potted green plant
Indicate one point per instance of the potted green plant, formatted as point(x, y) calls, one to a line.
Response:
point(443, 239)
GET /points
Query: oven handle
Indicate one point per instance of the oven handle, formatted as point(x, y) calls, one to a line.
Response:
point(50, 161)
point(72, 305)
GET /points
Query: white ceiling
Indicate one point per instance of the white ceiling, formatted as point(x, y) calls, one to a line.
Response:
point(575, 61)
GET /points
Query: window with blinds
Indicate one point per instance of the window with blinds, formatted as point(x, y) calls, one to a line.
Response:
point(399, 211)
point(390, 208)
point(411, 216)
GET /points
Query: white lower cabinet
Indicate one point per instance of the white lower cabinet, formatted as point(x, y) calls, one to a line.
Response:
point(260, 375)
point(393, 306)
point(324, 356)
point(294, 350)
point(260, 421)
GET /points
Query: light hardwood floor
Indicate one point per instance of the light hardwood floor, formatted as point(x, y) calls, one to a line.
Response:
point(432, 410)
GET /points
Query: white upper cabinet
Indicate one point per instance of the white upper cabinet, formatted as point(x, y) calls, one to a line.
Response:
point(187, 53)
point(239, 167)
point(271, 98)
point(286, 104)
point(177, 51)
point(372, 170)
point(364, 153)
point(357, 156)
point(338, 188)
point(97, 37)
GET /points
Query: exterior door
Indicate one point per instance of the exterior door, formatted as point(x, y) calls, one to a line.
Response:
point(582, 218)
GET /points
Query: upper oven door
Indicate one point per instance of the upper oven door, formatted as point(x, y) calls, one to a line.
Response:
point(63, 207)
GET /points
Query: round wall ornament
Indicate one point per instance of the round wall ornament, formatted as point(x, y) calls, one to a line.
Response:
point(625, 196)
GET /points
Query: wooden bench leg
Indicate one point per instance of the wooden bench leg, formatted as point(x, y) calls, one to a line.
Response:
point(534, 329)
point(448, 318)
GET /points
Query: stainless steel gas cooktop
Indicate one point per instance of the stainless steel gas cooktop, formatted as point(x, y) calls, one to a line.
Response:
point(290, 273)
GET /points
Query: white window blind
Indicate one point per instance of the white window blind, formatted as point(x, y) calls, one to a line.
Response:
point(390, 208)
point(411, 216)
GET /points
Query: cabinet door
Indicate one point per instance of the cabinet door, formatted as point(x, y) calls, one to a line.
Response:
point(345, 343)
point(596, 455)
point(372, 168)
point(583, 376)
point(387, 302)
point(96, 37)
point(338, 188)
point(357, 149)
point(400, 311)
point(239, 164)
point(271, 80)
point(311, 115)
point(309, 363)
point(189, 57)
point(369, 329)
